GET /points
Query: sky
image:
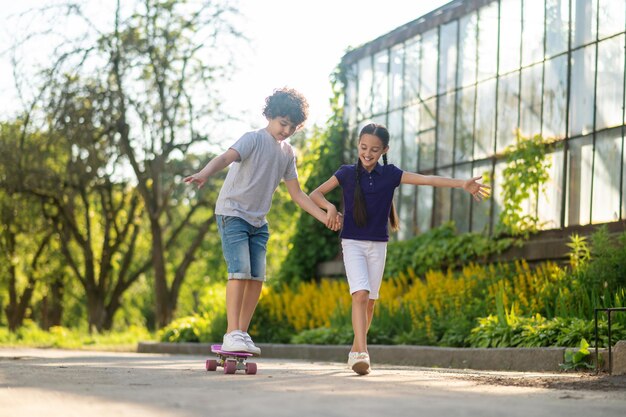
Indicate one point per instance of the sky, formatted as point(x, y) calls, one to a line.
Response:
point(293, 43)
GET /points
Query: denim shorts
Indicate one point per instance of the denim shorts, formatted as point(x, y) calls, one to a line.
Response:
point(365, 263)
point(244, 247)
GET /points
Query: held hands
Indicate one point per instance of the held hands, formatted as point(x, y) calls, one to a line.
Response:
point(477, 190)
point(334, 220)
point(195, 179)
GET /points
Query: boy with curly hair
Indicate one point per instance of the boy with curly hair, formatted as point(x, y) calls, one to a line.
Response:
point(261, 159)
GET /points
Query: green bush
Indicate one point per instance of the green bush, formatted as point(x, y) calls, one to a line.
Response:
point(441, 248)
point(197, 328)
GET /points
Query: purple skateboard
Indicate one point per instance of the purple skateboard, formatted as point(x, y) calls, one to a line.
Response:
point(230, 361)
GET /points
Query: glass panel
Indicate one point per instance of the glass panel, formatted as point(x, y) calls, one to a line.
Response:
point(394, 155)
point(406, 210)
point(447, 57)
point(488, 41)
point(411, 123)
point(443, 199)
point(510, 35)
point(584, 22)
point(485, 119)
point(582, 87)
point(550, 201)
point(508, 109)
point(428, 114)
point(427, 150)
point(380, 119)
point(350, 99)
point(557, 26)
point(612, 16)
point(610, 89)
point(480, 210)
point(380, 90)
point(365, 88)
point(555, 97)
point(395, 78)
point(532, 36)
point(445, 129)
point(530, 105)
point(607, 168)
point(461, 200)
point(412, 73)
point(465, 100)
point(424, 208)
point(467, 49)
point(580, 159)
point(429, 64)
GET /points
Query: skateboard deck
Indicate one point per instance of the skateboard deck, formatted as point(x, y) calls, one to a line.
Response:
point(230, 361)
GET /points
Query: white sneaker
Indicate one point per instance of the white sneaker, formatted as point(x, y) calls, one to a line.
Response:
point(252, 348)
point(234, 342)
point(359, 362)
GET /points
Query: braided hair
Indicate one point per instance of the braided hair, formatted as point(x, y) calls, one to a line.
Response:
point(360, 211)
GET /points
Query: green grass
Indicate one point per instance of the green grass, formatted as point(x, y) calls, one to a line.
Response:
point(63, 338)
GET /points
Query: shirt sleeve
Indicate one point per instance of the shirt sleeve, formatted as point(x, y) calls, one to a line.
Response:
point(396, 175)
point(342, 173)
point(291, 171)
point(244, 145)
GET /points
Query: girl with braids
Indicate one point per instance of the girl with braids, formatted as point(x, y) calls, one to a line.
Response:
point(368, 189)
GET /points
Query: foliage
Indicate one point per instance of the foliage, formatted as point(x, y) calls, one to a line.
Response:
point(523, 179)
point(579, 254)
point(312, 242)
point(62, 337)
point(441, 248)
point(607, 267)
point(576, 359)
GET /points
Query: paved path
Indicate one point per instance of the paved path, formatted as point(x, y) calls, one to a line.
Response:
point(79, 383)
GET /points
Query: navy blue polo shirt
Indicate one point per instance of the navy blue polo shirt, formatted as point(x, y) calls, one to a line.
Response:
point(378, 187)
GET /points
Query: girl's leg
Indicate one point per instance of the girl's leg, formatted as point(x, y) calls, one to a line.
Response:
point(370, 312)
point(360, 320)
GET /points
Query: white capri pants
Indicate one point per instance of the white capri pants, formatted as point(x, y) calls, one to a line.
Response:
point(364, 261)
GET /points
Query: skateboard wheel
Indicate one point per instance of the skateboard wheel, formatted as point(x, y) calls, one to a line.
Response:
point(230, 367)
point(211, 365)
point(250, 368)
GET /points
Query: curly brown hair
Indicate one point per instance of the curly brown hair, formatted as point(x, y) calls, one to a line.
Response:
point(287, 102)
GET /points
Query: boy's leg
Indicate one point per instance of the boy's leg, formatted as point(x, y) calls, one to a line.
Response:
point(250, 299)
point(235, 289)
point(234, 232)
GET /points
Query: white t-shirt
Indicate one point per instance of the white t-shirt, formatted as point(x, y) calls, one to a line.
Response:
point(251, 181)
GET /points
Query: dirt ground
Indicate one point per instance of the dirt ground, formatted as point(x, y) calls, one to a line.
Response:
point(565, 381)
point(79, 383)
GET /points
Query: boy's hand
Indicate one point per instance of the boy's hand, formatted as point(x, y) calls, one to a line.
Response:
point(477, 190)
point(195, 179)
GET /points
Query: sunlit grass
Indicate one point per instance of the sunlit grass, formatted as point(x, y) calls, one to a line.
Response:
point(30, 335)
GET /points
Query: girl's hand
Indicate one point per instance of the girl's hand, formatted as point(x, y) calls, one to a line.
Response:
point(338, 222)
point(477, 190)
point(331, 218)
point(195, 179)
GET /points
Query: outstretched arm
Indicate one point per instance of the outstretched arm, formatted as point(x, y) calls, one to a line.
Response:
point(303, 200)
point(478, 190)
point(215, 165)
point(332, 216)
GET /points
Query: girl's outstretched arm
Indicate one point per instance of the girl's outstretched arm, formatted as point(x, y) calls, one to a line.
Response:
point(332, 216)
point(215, 165)
point(300, 198)
point(478, 190)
